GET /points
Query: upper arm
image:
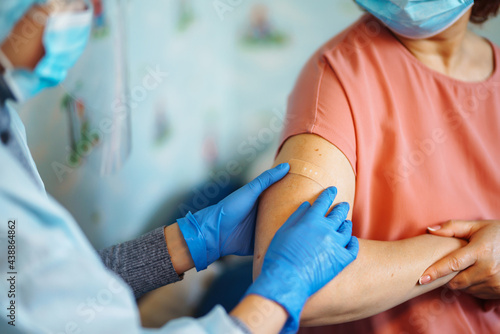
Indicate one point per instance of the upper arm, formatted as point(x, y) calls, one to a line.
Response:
point(318, 104)
point(283, 198)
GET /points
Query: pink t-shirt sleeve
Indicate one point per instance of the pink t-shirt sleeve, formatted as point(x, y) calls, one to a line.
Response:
point(318, 105)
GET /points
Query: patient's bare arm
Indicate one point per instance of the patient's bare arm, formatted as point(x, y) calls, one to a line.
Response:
point(384, 275)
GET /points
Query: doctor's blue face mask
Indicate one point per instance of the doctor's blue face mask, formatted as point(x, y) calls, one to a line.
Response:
point(64, 39)
point(417, 19)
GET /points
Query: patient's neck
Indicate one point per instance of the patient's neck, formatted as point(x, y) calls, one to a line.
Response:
point(455, 52)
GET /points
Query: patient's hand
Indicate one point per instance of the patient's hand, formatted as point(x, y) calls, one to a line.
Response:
point(478, 262)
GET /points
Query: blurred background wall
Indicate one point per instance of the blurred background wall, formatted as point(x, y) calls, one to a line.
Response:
point(221, 70)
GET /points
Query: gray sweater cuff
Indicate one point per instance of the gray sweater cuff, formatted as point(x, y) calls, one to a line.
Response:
point(144, 263)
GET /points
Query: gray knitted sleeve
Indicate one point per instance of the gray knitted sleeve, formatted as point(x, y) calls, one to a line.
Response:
point(144, 263)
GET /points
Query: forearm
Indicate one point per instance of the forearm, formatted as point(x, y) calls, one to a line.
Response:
point(384, 275)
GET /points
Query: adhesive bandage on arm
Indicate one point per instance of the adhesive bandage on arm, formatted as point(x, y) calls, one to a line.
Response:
point(313, 172)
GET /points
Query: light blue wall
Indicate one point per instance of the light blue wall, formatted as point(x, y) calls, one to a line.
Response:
point(220, 93)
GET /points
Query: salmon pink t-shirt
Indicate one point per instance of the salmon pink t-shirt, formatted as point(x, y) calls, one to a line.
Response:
point(425, 148)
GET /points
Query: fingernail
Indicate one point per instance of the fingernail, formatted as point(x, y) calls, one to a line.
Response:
point(424, 279)
point(434, 228)
point(282, 166)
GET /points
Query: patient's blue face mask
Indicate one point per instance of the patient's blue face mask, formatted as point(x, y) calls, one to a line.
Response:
point(417, 19)
point(65, 37)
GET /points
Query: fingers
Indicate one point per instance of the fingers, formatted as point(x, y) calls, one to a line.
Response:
point(487, 290)
point(296, 216)
point(476, 279)
point(267, 179)
point(353, 247)
point(455, 228)
point(338, 214)
point(456, 261)
point(324, 201)
point(481, 290)
point(345, 231)
point(466, 279)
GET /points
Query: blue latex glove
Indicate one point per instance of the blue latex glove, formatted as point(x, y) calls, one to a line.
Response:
point(227, 228)
point(307, 252)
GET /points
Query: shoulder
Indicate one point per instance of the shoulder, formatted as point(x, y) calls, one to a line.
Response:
point(352, 59)
point(20, 194)
point(361, 40)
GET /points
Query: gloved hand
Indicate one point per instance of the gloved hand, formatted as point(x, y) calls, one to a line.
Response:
point(227, 228)
point(307, 252)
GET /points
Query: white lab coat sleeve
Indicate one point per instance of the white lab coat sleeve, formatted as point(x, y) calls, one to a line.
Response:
point(56, 280)
point(217, 321)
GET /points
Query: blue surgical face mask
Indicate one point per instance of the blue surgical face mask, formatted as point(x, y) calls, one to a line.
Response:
point(65, 37)
point(417, 19)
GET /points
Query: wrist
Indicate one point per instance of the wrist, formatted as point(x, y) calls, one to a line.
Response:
point(195, 240)
point(285, 288)
point(178, 249)
point(260, 315)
